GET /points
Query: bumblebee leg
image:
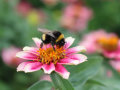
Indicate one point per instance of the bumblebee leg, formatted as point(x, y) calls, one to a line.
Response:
point(53, 46)
point(41, 45)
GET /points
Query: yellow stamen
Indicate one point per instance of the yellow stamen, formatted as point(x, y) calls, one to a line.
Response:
point(48, 55)
point(109, 43)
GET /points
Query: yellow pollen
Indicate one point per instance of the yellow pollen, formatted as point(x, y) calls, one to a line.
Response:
point(46, 56)
point(108, 43)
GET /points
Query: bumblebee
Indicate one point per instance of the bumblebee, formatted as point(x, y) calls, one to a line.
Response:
point(52, 37)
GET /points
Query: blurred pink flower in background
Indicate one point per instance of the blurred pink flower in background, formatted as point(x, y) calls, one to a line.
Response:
point(115, 64)
point(9, 56)
point(90, 40)
point(107, 43)
point(109, 73)
point(49, 60)
point(76, 17)
point(115, 54)
point(34, 16)
point(45, 77)
point(23, 7)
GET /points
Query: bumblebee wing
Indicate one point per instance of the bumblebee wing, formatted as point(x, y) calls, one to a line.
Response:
point(46, 31)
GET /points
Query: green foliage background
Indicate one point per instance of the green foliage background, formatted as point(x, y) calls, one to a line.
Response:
point(17, 31)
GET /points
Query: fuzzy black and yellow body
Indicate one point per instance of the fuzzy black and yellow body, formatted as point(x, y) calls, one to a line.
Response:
point(52, 37)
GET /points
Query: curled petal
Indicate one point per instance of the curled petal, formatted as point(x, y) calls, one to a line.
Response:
point(62, 71)
point(76, 49)
point(26, 55)
point(48, 68)
point(37, 41)
point(81, 58)
point(68, 61)
point(30, 49)
point(31, 67)
point(69, 41)
point(22, 66)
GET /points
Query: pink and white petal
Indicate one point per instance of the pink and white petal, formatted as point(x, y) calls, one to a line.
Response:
point(30, 49)
point(76, 49)
point(69, 61)
point(62, 71)
point(31, 67)
point(48, 68)
point(80, 57)
point(26, 55)
point(37, 41)
point(69, 41)
point(22, 66)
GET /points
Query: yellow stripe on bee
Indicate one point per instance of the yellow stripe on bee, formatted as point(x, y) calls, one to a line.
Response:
point(60, 37)
point(43, 36)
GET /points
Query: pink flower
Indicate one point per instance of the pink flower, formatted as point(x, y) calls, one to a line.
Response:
point(76, 17)
point(24, 7)
point(106, 43)
point(45, 77)
point(115, 64)
point(9, 56)
point(49, 60)
point(109, 73)
point(90, 40)
point(115, 54)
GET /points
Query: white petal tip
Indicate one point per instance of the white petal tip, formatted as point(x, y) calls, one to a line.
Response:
point(76, 62)
point(82, 49)
point(26, 48)
point(66, 76)
point(18, 54)
point(48, 72)
point(34, 38)
point(19, 70)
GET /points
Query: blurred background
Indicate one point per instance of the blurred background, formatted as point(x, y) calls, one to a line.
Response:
point(20, 19)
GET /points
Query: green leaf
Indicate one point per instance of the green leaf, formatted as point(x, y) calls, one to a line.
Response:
point(110, 82)
point(101, 84)
point(60, 83)
point(95, 85)
point(82, 72)
point(41, 85)
point(4, 86)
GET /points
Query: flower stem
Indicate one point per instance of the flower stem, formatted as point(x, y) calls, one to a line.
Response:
point(60, 83)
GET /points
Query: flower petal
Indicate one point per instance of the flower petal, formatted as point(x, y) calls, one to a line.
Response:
point(26, 55)
point(69, 42)
point(76, 49)
point(22, 66)
point(80, 57)
point(37, 41)
point(68, 61)
point(30, 49)
point(31, 67)
point(113, 54)
point(62, 71)
point(48, 68)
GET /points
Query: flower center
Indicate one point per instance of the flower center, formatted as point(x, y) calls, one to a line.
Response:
point(108, 43)
point(48, 55)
